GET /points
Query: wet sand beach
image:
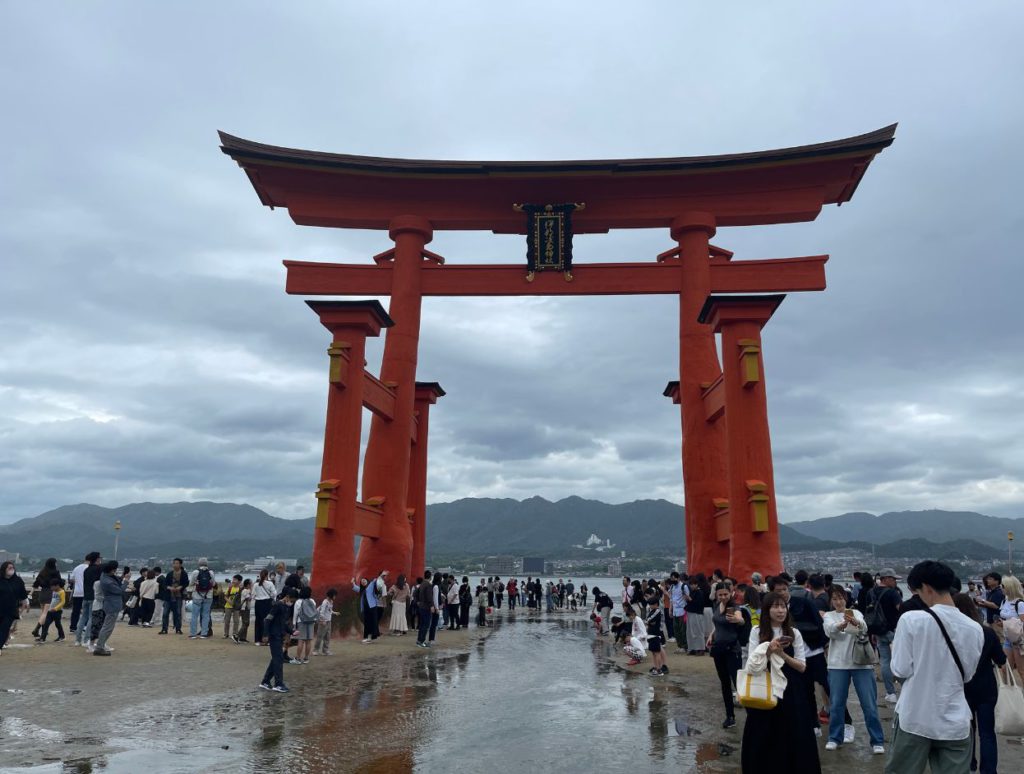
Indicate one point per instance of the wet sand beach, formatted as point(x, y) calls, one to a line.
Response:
point(533, 693)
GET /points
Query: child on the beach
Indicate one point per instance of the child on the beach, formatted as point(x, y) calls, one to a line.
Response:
point(276, 626)
point(303, 622)
point(325, 620)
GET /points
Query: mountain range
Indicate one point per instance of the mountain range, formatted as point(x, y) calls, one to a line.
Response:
point(483, 526)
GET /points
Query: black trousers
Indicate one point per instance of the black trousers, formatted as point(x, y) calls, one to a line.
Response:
point(275, 669)
point(727, 663)
point(53, 617)
point(5, 628)
point(453, 616)
point(76, 611)
point(371, 628)
point(424, 625)
point(481, 616)
point(464, 614)
point(148, 608)
point(262, 608)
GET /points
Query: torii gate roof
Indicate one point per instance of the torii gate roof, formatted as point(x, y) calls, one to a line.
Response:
point(742, 189)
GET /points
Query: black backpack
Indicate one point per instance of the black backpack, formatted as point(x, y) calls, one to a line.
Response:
point(874, 616)
point(204, 580)
point(810, 626)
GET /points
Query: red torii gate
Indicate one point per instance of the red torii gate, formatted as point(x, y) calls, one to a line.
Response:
point(730, 508)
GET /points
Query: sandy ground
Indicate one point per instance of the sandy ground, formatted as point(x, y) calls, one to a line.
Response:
point(167, 703)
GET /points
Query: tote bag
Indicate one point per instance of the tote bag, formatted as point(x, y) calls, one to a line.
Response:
point(1009, 705)
point(754, 689)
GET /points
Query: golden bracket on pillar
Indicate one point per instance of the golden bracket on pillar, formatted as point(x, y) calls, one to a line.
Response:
point(338, 352)
point(326, 502)
point(750, 368)
point(758, 503)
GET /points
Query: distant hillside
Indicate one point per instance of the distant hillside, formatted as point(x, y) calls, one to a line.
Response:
point(935, 525)
point(536, 525)
point(226, 530)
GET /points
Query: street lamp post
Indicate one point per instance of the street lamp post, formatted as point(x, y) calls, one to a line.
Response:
point(1009, 552)
point(117, 534)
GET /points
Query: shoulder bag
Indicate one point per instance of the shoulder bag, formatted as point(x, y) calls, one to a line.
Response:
point(949, 642)
point(754, 689)
point(1010, 705)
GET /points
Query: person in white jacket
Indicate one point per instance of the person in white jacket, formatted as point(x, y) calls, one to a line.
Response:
point(844, 627)
point(637, 647)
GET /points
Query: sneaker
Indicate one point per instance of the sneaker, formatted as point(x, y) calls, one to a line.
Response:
point(234, 639)
point(664, 670)
point(59, 639)
point(280, 689)
point(204, 636)
point(327, 653)
point(655, 671)
point(162, 631)
point(877, 749)
point(265, 686)
point(830, 745)
point(367, 640)
point(849, 732)
point(305, 661)
point(101, 652)
point(294, 661)
point(728, 722)
point(890, 698)
point(192, 637)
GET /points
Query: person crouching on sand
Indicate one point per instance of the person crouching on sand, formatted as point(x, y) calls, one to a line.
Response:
point(277, 625)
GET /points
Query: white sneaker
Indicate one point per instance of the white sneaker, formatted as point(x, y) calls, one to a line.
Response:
point(848, 733)
point(890, 698)
point(830, 745)
point(877, 749)
point(367, 640)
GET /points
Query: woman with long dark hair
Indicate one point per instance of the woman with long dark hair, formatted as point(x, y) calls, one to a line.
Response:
point(779, 739)
point(400, 594)
point(42, 585)
point(367, 609)
point(696, 627)
point(867, 583)
point(263, 595)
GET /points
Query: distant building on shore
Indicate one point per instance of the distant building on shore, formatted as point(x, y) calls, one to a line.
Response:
point(615, 568)
point(533, 565)
point(9, 556)
point(499, 565)
point(268, 563)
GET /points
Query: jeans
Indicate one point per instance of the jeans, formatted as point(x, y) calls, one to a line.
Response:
point(885, 656)
point(82, 633)
point(172, 607)
point(867, 695)
point(201, 608)
point(985, 719)
point(911, 754)
point(275, 669)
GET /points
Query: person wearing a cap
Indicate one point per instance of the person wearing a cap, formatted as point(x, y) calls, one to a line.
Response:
point(888, 596)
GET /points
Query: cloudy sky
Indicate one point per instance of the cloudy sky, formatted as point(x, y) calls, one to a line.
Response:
point(148, 350)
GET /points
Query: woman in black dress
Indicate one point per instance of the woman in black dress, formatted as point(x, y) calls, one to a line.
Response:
point(780, 739)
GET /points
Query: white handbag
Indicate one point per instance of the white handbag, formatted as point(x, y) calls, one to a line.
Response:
point(754, 689)
point(1009, 705)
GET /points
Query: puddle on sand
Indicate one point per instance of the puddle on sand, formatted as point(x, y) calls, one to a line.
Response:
point(545, 681)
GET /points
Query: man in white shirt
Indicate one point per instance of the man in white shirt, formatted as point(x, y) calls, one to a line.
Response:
point(932, 726)
point(78, 592)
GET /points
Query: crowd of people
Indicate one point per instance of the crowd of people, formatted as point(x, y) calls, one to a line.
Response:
point(938, 652)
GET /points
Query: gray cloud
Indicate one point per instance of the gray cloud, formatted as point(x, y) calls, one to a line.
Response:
point(149, 350)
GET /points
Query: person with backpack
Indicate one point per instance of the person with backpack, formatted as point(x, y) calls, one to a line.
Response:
point(1011, 620)
point(202, 585)
point(303, 623)
point(936, 650)
point(881, 614)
